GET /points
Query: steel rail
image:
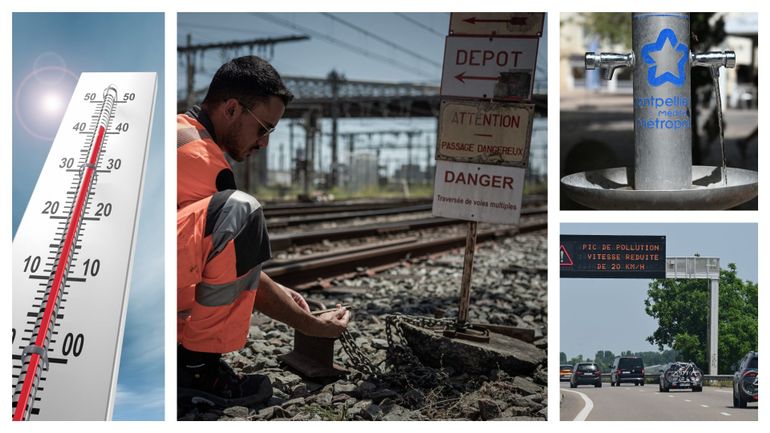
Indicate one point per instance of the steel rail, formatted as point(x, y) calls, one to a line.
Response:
point(306, 272)
point(283, 241)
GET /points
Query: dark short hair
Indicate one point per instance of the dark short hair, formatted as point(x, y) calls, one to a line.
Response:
point(249, 79)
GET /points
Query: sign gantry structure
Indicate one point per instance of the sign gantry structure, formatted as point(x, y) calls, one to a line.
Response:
point(609, 256)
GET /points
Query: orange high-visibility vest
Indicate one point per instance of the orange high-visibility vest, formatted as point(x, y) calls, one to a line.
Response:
point(221, 242)
point(201, 166)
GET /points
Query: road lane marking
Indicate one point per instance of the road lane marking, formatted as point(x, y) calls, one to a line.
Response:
point(704, 405)
point(687, 400)
point(725, 413)
point(671, 396)
point(587, 407)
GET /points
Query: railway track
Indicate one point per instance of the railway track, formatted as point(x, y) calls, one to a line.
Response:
point(284, 241)
point(274, 210)
point(318, 270)
point(294, 214)
point(296, 220)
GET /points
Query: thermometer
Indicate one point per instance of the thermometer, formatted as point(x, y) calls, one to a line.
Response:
point(73, 251)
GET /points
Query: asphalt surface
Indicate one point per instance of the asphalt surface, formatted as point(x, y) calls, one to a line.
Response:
point(646, 403)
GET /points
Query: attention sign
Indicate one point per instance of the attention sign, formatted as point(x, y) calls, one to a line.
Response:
point(485, 132)
point(489, 68)
point(497, 23)
point(478, 192)
point(589, 256)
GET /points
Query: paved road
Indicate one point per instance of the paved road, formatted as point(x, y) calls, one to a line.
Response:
point(646, 403)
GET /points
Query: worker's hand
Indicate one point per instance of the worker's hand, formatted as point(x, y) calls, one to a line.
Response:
point(334, 323)
point(298, 299)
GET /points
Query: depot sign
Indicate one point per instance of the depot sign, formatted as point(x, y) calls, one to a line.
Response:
point(489, 68)
point(478, 192)
point(485, 132)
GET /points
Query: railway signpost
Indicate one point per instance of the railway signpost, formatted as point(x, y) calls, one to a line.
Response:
point(501, 68)
point(485, 132)
point(497, 23)
point(478, 192)
point(483, 142)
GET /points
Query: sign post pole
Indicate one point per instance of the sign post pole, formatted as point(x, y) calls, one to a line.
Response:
point(464, 329)
point(713, 331)
point(465, 285)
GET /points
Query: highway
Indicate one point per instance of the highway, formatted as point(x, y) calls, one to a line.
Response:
point(646, 403)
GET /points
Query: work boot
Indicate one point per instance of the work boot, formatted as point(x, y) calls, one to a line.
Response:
point(217, 384)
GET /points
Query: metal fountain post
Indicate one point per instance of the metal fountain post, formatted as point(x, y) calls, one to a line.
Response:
point(663, 147)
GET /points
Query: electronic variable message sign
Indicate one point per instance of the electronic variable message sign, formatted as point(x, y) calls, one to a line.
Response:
point(589, 256)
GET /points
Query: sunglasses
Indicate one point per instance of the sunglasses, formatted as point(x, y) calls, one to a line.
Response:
point(267, 130)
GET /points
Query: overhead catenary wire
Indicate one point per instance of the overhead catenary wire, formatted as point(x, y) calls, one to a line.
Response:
point(230, 29)
point(384, 59)
point(383, 40)
point(420, 25)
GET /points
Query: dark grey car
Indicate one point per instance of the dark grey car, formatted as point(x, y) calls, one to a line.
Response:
point(679, 375)
point(746, 381)
point(586, 373)
point(627, 369)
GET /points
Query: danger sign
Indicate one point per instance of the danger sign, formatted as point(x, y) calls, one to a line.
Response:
point(489, 68)
point(478, 192)
point(485, 132)
point(496, 24)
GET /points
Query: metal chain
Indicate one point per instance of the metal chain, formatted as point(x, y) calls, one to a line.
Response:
point(357, 358)
point(398, 351)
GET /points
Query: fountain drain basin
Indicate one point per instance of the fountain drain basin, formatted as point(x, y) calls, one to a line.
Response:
point(611, 189)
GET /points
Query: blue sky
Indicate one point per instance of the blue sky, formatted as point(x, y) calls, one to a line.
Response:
point(99, 42)
point(608, 314)
point(319, 56)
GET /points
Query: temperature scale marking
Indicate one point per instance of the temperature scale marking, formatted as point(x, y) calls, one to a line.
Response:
point(67, 368)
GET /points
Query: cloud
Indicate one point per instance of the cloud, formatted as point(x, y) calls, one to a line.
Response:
point(145, 404)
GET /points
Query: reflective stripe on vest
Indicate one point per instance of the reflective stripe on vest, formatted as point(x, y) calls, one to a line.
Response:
point(229, 213)
point(216, 295)
point(189, 134)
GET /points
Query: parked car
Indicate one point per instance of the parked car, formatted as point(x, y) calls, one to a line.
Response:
point(746, 381)
point(681, 375)
point(627, 369)
point(565, 373)
point(586, 373)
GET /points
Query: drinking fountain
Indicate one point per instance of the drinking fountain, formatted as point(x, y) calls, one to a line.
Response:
point(663, 176)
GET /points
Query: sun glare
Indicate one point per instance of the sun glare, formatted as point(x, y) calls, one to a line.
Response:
point(52, 103)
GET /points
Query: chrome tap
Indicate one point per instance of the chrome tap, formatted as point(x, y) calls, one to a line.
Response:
point(714, 60)
point(608, 62)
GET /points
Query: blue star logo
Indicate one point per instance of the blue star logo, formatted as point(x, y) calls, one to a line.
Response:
point(667, 60)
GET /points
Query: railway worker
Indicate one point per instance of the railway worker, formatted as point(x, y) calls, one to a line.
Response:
point(222, 238)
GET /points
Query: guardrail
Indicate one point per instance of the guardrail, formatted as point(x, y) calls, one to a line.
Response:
point(706, 377)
